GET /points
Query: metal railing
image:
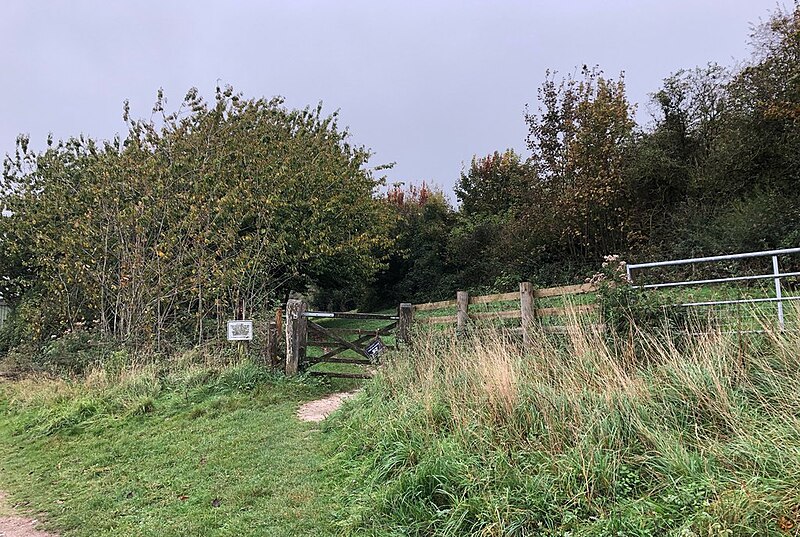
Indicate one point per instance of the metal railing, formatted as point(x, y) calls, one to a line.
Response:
point(776, 275)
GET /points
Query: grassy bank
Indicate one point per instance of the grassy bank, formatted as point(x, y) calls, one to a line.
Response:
point(584, 436)
point(195, 450)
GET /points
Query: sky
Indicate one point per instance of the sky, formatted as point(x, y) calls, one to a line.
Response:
point(424, 84)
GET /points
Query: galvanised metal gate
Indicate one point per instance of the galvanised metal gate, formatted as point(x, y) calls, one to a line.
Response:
point(775, 274)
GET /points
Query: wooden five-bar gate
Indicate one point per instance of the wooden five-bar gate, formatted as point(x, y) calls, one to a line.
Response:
point(304, 331)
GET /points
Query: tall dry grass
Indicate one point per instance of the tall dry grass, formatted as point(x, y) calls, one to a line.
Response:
point(650, 433)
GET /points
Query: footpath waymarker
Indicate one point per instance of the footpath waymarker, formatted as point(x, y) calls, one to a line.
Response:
point(375, 349)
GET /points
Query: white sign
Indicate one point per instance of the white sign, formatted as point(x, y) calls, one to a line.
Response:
point(240, 330)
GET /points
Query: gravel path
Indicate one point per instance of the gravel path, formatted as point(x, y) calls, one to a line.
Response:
point(321, 408)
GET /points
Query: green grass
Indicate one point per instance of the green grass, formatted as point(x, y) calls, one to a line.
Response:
point(193, 453)
point(581, 436)
point(5, 508)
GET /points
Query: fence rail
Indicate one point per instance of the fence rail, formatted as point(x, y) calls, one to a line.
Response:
point(429, 306)
point(525, 311)
point(301, 330)
point(565, 290)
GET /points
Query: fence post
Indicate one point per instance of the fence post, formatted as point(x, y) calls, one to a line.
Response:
point(527, 310)
point(271, 346)
point(271, 352)
point(462, 298)
point(406, 315)
point(296, 331)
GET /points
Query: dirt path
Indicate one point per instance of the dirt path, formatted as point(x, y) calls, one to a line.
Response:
point(321, 408)
point(12, 525)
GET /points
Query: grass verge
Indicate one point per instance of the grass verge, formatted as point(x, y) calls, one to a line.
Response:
point(199, 451)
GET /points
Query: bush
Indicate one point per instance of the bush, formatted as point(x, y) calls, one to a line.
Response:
point(77, 351)
point(10, 334)
point(624, 306)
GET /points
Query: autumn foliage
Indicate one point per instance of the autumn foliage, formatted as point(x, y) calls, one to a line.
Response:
point(714, 171)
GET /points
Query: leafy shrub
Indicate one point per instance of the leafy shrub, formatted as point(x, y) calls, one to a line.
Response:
point(10, 334)
point(76, 351)
point(624, 306)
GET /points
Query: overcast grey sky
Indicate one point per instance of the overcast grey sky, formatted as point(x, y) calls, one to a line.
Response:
point(424, 84)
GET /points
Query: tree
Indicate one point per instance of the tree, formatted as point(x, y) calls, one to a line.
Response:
point(577, 141)
point(728, 143)
point(665, 165)
point(494, 184)
point(417, 265)
point(211, 212)
point(760, 148)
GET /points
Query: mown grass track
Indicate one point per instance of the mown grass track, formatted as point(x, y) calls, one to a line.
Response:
point(218, 455)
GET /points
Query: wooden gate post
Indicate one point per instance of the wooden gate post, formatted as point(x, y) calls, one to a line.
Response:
point(271, 345)
point(462, 299)
point(275, 329)
point(527, 310)
point(296, 332)
point(405, 314)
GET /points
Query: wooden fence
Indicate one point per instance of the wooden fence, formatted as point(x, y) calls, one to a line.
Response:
point(299, 323)
point(527, 311)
